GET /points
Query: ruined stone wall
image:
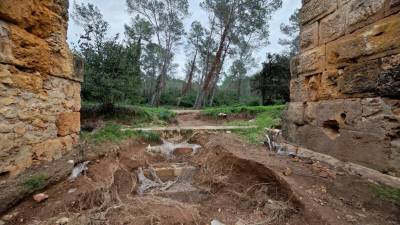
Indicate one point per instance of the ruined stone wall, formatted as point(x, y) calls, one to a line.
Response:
point(345, 86)
point(39, 84)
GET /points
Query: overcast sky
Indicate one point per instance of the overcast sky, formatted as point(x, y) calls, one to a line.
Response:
point(115, 13)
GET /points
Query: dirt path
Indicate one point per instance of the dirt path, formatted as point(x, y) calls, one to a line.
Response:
point(192, 118)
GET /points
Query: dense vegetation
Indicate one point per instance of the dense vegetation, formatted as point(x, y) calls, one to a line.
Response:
point(137, 68)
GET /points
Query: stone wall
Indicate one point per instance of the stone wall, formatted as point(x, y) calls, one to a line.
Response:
point(345, 85)
point(39, 85)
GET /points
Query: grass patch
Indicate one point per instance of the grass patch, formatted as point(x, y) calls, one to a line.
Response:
point(149, 136)
point(265, 117)
point(127, 114)
point(388, 193)
point(232, 110)
point(114, 133)
point(35, 182)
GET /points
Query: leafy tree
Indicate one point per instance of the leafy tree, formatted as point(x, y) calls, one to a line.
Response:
point(291, 30)
point(110, 72)
point(166, 18)
point(272, 82)
point(235, 18)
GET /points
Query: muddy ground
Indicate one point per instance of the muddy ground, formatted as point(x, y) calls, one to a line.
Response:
point(227, 180)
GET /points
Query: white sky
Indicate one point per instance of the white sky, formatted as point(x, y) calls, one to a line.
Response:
point(115, 13)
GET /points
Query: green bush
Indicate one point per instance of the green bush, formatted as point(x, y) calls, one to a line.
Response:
point(388, 193)
point(128, 114)
point(35, 182)
point(110, 132)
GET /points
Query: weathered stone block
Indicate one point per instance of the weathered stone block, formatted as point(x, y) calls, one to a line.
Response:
point(68, 123)
point(297, 90)
point(364, 12)
point(393, 6)
point(359, 79)
point(309, 37)
point(34, 16)
point(375, 41)
point(316, 9)
point(295, 113)
point(48, 150)
point(333, 26)
point(311, 62)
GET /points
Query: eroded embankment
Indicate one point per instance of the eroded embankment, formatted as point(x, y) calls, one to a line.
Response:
point(227, 180)
point(183, 187)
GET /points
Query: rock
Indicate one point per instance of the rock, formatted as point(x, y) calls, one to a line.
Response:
point(216, 222)
point(181, 151)
point(223, 115)
point(2, 222)
point(62, 221)
point(68, 123)
point(9, 217)
point(287, 172)
point(40, 197)
point(240, 222)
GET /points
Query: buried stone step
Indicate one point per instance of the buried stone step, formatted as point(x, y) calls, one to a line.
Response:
point(171, 171)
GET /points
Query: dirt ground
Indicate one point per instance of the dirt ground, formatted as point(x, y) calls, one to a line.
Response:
point(227, 180)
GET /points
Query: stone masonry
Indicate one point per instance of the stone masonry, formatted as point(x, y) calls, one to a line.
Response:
point(345, 85)
point(40, 84)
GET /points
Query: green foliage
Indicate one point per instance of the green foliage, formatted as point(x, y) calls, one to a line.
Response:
point(272, 82)
point(128, 114)
point(388, 193)
point(114, 133)
point(265, 117)
point(149, 136)
point(292, 31)
point(112, 69)
point(110, 132)
point(35, 182)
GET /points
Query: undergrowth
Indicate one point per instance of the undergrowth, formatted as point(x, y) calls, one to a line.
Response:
point(128, 114)
point(388, 193)
point(114, 133)
point(35, 182)
point(265, 117)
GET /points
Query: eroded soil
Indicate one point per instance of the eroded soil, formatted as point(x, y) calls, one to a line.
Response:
point(227, 180)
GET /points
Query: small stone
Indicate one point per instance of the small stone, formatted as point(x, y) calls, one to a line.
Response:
point(40, 197)
point(71, 161)
point(9, 217)
point(20, 130)
point(2, 222)
point(350, 218)
point(7, 101)
point(62, 221)
point(287, 172)
point(72, 190)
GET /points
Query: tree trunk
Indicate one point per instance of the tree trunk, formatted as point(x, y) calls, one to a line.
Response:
point(239, 90)
point(155, 100)
point(186, 88)
point(205, 90)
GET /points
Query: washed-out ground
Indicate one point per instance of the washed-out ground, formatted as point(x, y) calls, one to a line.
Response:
point(227, 180)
